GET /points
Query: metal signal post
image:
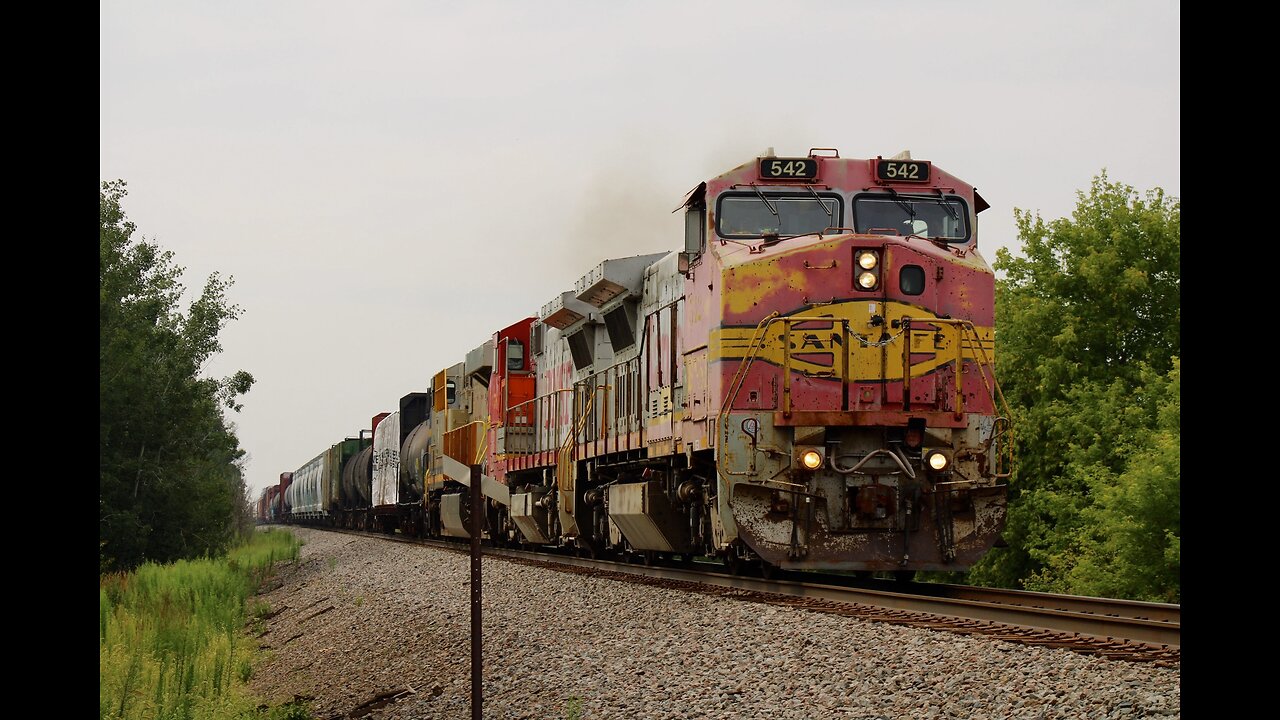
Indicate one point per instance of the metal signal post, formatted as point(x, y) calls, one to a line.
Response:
point(477, 660)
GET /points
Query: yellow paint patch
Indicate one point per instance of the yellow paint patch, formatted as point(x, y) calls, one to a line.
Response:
point(746, 285)
point(819, 345)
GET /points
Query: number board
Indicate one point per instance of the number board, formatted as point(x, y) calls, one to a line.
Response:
point(903, 170)
point(776, 168)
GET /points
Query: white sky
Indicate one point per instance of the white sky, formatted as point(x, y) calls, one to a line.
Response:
point(388, 183)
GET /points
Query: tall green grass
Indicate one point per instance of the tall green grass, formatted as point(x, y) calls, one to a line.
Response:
point(172, 640)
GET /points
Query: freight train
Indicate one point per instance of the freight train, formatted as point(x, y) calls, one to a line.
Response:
point(808, 383)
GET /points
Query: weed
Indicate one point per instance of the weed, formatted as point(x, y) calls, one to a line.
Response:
point(573, 708)
point(172, 639)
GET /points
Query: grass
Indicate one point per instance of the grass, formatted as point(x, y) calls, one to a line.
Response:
point(173, 643)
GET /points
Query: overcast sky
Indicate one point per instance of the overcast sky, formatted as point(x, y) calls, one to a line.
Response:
point(388, 183)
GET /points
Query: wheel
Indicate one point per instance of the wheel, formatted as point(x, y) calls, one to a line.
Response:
point(904, 575)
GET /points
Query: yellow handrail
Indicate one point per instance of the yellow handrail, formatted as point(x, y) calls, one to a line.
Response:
point(483, 445)
point(968, 334)
point(736, 384)
point(969, 329)
point(562, 464)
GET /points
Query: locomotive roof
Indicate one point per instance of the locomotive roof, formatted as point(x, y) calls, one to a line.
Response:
point(832, 171)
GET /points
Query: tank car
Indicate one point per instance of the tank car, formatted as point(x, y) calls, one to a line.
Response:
point(356, 490)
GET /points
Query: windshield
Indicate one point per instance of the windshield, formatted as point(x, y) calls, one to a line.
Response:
point(941, 218)
point(748, 215)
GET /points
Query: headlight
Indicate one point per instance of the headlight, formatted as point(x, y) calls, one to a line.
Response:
point(867, 280)
point(867, 260)
point(937, 460)
point(811, 458)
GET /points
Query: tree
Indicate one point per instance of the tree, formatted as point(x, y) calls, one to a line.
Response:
point(170, 481)
point(1128, 540)
point(1088, 336)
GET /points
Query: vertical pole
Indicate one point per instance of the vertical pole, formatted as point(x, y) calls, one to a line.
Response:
point(786, 369)
point(846, 349)
point(477, 658)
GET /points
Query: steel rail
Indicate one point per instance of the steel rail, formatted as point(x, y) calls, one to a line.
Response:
point(1096, 617)
point(1112, 625)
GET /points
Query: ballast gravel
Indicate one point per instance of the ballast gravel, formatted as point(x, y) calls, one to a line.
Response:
point(373, 629)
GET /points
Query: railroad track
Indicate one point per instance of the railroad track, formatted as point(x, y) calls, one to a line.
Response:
point(1115, 629)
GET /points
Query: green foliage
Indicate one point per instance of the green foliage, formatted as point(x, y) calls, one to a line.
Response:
point(171, 638)
point(1095, 295)
point(1089, 325)
point(1127, 541)
point(170, 482)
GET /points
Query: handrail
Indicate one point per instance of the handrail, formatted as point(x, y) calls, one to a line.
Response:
point(967, 334)
point(786, 357)
point(1008, 416)
point(739, 376)
point(540, 397)
point(452, 438)
point(569, 442)
point(967, 338)
point(534, 418)
point(483, 445)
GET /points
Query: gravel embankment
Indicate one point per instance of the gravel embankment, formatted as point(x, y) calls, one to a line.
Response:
point(568, 646)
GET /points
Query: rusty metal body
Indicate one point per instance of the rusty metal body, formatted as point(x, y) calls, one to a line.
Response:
point(872, 380)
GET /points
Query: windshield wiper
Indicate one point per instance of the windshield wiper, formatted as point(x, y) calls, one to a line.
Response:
point(821, 204)
point(765, 200)
point(946, 205)
point(893, 195)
